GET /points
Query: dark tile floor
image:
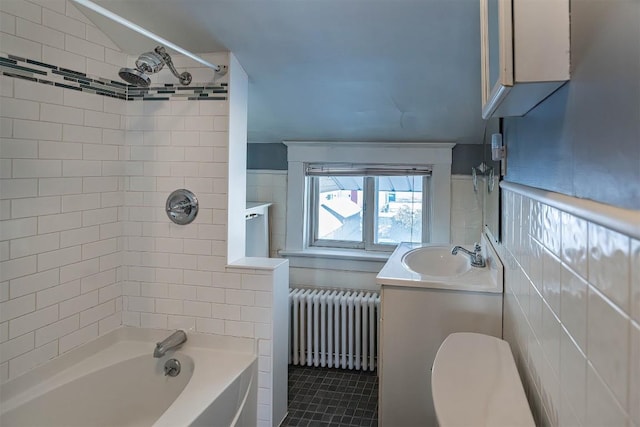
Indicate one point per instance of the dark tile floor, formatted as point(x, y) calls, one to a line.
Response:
point(332, 397)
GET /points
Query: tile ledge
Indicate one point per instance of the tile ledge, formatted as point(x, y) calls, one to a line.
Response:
point(622, 220)
point(257, 263)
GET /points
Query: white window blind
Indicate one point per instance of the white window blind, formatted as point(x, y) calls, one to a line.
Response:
point(354, 169)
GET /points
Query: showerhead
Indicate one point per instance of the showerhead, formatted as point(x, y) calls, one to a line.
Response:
point(150, 63)
point(134, 77)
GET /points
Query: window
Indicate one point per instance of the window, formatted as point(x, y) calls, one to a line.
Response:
point(377, 193)
point(371, 207)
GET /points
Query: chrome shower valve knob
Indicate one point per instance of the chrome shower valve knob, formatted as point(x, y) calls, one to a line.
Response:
point(182, 206)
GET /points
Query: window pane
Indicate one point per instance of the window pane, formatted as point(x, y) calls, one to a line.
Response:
point(339, 204)
point(399, 213)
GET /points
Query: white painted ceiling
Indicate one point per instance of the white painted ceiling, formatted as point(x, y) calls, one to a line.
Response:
point(352, 70)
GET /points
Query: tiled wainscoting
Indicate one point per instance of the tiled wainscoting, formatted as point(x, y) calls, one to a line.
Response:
point(466, 210)
point(271, 186)
point(572, 306)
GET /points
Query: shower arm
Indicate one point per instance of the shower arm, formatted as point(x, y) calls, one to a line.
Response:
point(185, 78)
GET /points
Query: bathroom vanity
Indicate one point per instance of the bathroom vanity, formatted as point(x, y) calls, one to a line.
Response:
point(418, 312)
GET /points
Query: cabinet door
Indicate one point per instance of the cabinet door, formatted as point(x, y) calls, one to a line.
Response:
point(524, 53)
point(413, 325)
point(496, 40)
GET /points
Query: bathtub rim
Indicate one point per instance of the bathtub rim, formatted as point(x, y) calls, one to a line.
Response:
point(58, 371)
point(33, 377)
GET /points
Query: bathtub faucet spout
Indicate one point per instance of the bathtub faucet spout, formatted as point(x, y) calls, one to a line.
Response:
point(174, 340)
point(476, 257)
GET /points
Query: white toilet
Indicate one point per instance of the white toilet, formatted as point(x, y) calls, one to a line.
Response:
point(475, 382)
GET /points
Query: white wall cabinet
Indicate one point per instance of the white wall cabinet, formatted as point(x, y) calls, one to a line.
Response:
point(525, 53)
point(414, 322)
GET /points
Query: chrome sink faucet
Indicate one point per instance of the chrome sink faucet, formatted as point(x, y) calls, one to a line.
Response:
point(476, 257)
point(174, 340)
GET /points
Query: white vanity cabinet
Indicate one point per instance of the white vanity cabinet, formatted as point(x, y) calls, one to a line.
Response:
point(414, 322)
point(525, 53)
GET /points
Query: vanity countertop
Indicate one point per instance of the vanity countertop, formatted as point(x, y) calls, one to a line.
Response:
point(487, 279)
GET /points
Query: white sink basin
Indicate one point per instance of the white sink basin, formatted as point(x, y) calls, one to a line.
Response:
point(428, 265)
point(435, 261)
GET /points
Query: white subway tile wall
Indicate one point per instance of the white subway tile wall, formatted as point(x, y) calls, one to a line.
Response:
point(80, 194)
point(60, 233)
point(466, 210)
point(177, 276)
point(271, 187)
point(568, 316)
point(85, 244)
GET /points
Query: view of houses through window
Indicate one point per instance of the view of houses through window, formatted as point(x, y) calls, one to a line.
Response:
point(399, 216)
point(398, 208)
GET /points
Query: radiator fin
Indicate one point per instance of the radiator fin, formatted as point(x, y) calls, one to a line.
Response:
point(335, 329)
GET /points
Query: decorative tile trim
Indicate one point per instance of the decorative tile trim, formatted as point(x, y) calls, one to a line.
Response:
point(168, 91)
point(40, 72)
point(622, 220)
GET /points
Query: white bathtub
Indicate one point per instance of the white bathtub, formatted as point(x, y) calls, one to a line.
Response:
point(115, 381)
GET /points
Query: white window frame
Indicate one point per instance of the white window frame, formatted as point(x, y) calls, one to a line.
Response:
point(369, 216)
point(436, 154)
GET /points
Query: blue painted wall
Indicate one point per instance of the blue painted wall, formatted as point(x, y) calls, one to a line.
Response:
point(274, 157)
point(584, 140)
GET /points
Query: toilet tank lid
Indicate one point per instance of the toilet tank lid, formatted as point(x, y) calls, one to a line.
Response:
point(475, 382)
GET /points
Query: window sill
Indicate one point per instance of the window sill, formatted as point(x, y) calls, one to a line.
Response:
point(337, 259)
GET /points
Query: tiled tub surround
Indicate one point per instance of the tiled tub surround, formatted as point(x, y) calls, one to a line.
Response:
point(65, 169)
point(85, 245)
point(61, 198)
point(572, 306)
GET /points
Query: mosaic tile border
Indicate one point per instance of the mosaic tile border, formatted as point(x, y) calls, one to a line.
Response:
point(40, 72)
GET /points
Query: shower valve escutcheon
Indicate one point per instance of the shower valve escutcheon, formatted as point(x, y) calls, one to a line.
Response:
point(182, 206)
